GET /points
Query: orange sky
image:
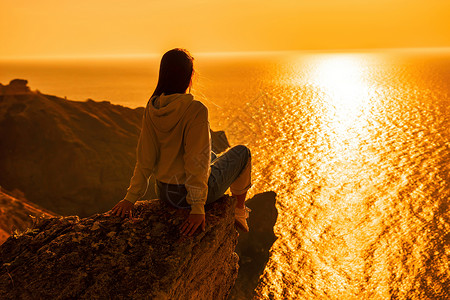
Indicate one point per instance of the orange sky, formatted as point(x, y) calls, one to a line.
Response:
point(116, 27)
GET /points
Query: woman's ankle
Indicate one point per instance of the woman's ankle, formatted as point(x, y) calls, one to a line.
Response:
point(240, 203)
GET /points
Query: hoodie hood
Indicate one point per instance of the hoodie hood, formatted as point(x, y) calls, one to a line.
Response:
point(167, 110)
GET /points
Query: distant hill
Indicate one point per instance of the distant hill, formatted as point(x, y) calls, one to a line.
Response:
point(71, 157)
point(15, 214)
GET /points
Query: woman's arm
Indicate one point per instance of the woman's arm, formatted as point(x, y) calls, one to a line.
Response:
point(146, 157)
point(197, 158)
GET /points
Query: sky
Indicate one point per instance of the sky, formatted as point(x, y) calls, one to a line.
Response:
point(34, 28)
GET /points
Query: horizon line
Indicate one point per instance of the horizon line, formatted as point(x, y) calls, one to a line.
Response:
point(221, 53)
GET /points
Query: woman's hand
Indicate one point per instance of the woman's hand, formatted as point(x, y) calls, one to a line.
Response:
point(123, 208)
point(191, 224)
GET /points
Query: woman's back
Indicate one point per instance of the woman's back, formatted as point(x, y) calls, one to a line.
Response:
point(175, 119)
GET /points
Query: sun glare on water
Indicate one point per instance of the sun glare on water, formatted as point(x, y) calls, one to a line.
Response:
point(346, 90)
point(358, 167)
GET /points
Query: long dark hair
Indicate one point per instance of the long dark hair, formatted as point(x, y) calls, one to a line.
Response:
point(175, 72)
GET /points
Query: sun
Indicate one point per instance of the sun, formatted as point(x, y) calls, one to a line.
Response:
point(345, 87)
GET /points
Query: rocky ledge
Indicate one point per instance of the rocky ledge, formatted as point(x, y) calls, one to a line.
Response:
point(17, 214)
point(107, 257)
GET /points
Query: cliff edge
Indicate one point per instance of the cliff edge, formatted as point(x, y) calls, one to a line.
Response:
point(17, 213)
point(106, 257)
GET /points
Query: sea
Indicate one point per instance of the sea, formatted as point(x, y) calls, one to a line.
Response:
point(355, 145)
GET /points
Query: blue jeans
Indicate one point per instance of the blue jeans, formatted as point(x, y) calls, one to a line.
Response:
point(224, 171)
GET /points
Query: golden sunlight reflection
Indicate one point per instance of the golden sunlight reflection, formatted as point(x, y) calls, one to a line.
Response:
point(346, 90)
point(351, 152)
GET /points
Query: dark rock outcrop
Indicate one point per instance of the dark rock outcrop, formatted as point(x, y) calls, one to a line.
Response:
point(17, 86)
point(70, 157)
point(219, 141)
point(105, 257)
point(16, 214)
point(253, 247)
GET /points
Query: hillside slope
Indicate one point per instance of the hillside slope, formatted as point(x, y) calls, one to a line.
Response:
point(16, 214)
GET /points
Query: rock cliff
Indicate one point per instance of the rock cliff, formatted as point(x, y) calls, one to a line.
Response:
point(17, 214)
point(253, 247)
point(105, 257)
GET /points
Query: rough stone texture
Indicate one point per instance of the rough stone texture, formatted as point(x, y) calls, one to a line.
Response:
point(70, 157)
point(17, 214)
point(105, 257)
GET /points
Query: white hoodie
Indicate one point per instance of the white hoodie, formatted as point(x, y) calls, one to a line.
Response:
point(175, 145)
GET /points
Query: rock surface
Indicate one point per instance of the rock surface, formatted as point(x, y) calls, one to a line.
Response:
point(16, 86)
point(104, 257)
point(17, 214)
point(70, 157)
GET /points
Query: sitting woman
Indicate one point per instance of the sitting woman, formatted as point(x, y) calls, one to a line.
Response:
point(175, 146)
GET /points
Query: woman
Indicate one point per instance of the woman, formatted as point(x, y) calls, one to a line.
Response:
point(175, 146)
